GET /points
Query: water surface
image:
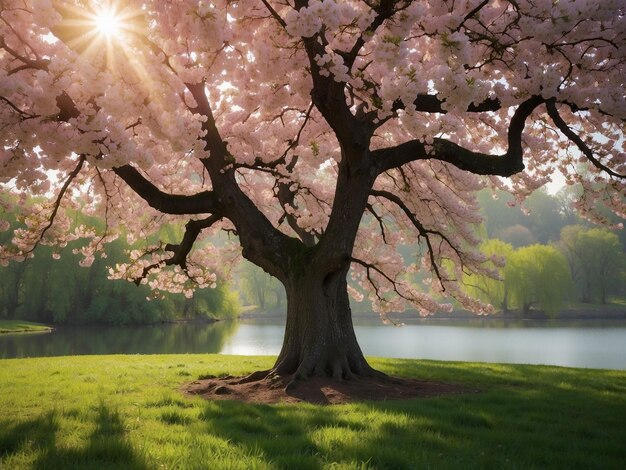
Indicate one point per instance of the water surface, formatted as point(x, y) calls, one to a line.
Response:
point(582, 344)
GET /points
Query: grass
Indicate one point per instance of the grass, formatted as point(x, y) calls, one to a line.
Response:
point(94, 412)
point(21, 326)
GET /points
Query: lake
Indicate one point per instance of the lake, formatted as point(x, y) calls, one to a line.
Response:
point(581, 344)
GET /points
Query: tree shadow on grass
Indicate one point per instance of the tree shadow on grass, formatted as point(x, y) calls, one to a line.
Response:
point(303, 436)
point(524, 417)
point(107, 446)
point(39, 432)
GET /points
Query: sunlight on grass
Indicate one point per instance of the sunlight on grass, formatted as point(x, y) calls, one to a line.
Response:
point(128, 412)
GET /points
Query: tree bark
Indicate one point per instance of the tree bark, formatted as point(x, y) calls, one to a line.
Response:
point(319, 335)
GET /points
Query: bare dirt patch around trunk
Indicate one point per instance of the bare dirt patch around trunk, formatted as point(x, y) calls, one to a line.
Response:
point(319, 390)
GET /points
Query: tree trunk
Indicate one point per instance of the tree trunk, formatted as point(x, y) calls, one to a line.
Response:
point(260, 295)
point(586, 297)
point(505, 302)
point(12, 297)
point(319, 336)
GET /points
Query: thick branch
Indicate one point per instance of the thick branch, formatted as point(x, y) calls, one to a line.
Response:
point(431, 104)
point(182, 250)
point(192, 230)
point(475, 162)
point(329, 98)
point(384, 10)
point(200, 203)
point(286, 197)
point(213, 141)
point(516, 128)
point(444, 150)
point(425, 103)
point(67, 108)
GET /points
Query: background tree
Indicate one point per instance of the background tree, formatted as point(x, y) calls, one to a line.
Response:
point(539, 219)
point(488, 287)
point(596, 261)
point(545, 216)
point(517, 235)
point(11, 275)
point(59, 291)
point(500, 212)
point(538, 275)
point(259, 288)
point(52, 287)
point(283, 123)
point(566, 198)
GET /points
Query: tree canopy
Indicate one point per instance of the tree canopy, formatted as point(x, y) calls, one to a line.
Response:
point(283, 122)
point(596, 261)
point(538, 275)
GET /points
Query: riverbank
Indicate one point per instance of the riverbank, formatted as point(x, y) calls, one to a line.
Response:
point(615, 310)
point(21, 326)
point(129, 412)
point(577, 311)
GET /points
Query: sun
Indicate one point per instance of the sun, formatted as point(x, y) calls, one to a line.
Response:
point(108, 23)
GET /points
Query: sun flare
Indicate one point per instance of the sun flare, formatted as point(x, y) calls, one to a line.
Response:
point(108, 23)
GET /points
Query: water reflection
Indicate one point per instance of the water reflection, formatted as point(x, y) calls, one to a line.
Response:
point(152, 339)
point(595, 344)
point(551, 344)
point(583, 344)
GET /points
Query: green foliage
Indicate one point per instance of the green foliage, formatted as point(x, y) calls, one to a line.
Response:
point(128, 412)
point(535, 275)
point(570, 194)
point(518, 235)
point(541, 223)
point(60, 291)
point(20, 326)
point(259, 288)
point(498, 214)
point(596, 261)
point(51, 287)
point(538, 274)
point(486, 288)
point(545, 217)
point(594, 256)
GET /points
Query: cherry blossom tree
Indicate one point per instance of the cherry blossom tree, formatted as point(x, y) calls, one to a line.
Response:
point(323, 134)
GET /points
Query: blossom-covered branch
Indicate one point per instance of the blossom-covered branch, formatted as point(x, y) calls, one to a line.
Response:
point(180, 251)
point(582, 146)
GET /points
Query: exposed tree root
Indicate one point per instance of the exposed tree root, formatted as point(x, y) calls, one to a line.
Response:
point(255, 376)
point(271, 387)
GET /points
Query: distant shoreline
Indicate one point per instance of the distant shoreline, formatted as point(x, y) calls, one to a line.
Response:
point(609, 312)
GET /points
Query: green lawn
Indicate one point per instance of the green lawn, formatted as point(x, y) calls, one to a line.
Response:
point(126, 412)
point(21, 326)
